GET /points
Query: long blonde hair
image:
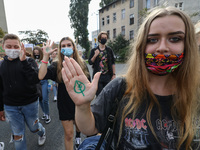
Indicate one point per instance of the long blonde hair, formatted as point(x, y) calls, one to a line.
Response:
point(76, 57)
point(186, 78)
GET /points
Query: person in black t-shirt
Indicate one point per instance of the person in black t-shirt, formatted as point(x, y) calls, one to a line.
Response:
point(102, 60)
point(159, 109)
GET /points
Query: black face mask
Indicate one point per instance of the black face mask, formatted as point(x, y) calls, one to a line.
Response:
point(37, 56)
point(103, 41)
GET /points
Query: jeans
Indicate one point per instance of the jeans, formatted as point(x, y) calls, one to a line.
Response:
point(45, 95)
point(17, 116)
point(54, 88)
point(90, 143)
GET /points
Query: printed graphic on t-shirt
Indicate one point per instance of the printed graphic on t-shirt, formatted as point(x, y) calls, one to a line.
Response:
point(167, 133)
point(103, 62)
point(136, 133)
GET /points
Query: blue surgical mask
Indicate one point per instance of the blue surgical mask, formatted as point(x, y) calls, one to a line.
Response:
point(67, 51)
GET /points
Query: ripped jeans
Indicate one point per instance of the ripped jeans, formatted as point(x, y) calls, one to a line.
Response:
point(17, 116)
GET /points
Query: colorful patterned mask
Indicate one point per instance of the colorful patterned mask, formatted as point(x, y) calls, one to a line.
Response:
point(163, 64)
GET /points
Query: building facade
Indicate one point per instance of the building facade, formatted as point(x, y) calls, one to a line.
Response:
point(125, 16)
point(3, 23)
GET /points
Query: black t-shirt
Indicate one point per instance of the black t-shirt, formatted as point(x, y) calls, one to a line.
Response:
point(136, 133)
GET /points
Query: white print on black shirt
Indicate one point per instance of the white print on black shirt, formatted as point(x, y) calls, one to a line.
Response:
point(167, 133)
point(136, 133)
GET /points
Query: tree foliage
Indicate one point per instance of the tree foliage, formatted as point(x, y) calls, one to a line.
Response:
point(105, 2)
point(120, 47)
point(78, 15)
point(34, 37)
point(2, 33)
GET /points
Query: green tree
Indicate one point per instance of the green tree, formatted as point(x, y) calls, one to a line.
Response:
point(78, 15)
point(2, 33)
point(105, 2)
point(120, 47)
point(34, 37)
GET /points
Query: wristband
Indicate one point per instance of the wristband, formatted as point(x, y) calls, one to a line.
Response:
point(45, 62)
point(114, 74)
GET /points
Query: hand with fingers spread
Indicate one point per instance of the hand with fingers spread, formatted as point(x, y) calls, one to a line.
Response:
point(22, 55)
point(47, 49)
point(79, 88)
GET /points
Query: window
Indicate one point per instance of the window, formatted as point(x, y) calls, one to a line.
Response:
point(107, 8)
point(113, 6)
point(114, 33)
point(103, 22)
point(131, 19)
point(131, 3)
point(108, 19)
point(179, 5)
point(123, 30)
point(108, 32)
point(114, 17)
point(131, 35)
point(123, 13)
point(123, 1)
point(148, 4)
point(156, 2)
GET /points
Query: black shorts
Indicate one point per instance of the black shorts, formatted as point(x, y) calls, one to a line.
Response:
point(66, 109)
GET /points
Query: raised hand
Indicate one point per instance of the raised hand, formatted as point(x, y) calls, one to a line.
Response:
point(47, 48)
point(22, 55)
point(79, 88)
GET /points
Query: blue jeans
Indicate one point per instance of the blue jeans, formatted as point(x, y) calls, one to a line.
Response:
point(45, 97)
point(90, 143)
point(17, 116)
point(54, 88)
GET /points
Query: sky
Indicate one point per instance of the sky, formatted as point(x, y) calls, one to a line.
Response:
point(48, 15)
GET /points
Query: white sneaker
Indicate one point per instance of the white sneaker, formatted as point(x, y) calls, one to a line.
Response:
point(41, 140)
point(43, 117)
point(55, 98)
point(1, 145)
point(77, 142)
point(48, 119)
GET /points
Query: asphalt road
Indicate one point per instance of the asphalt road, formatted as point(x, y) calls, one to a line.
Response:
point(54, 130)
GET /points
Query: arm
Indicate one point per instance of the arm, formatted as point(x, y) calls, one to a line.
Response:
point(2, 115)
point(113, 64)
point(94, 53)
point(82, 93)
point(47, 50)
point(114, 72)
point(30, 70)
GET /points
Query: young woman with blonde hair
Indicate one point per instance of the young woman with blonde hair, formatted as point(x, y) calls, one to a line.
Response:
point(66, 107)
point(159, 107)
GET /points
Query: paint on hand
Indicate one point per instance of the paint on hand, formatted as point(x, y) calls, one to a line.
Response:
point(79, 87)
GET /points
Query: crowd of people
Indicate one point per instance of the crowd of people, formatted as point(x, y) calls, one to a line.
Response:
point(160, 105)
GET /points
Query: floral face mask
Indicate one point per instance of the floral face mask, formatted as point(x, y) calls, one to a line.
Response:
point(163, 64)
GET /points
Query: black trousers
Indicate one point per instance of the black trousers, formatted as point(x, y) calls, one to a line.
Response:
point(103, 81)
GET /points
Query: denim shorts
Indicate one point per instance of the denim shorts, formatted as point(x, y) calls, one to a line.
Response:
point(90, 143)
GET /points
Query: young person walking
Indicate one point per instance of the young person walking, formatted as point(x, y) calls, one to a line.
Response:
point(18, 92)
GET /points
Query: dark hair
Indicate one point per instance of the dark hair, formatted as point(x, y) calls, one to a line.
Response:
point(99, 36)
point(12, 37)
point(40, 52)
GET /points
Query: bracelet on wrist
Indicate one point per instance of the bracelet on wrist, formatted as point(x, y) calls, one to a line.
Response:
point(114, 74)
point(45, 62)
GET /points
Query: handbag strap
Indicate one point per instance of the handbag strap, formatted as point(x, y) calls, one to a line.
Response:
point(109, 125)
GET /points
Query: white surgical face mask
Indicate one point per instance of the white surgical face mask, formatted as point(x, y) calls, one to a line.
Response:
point(12, 53)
